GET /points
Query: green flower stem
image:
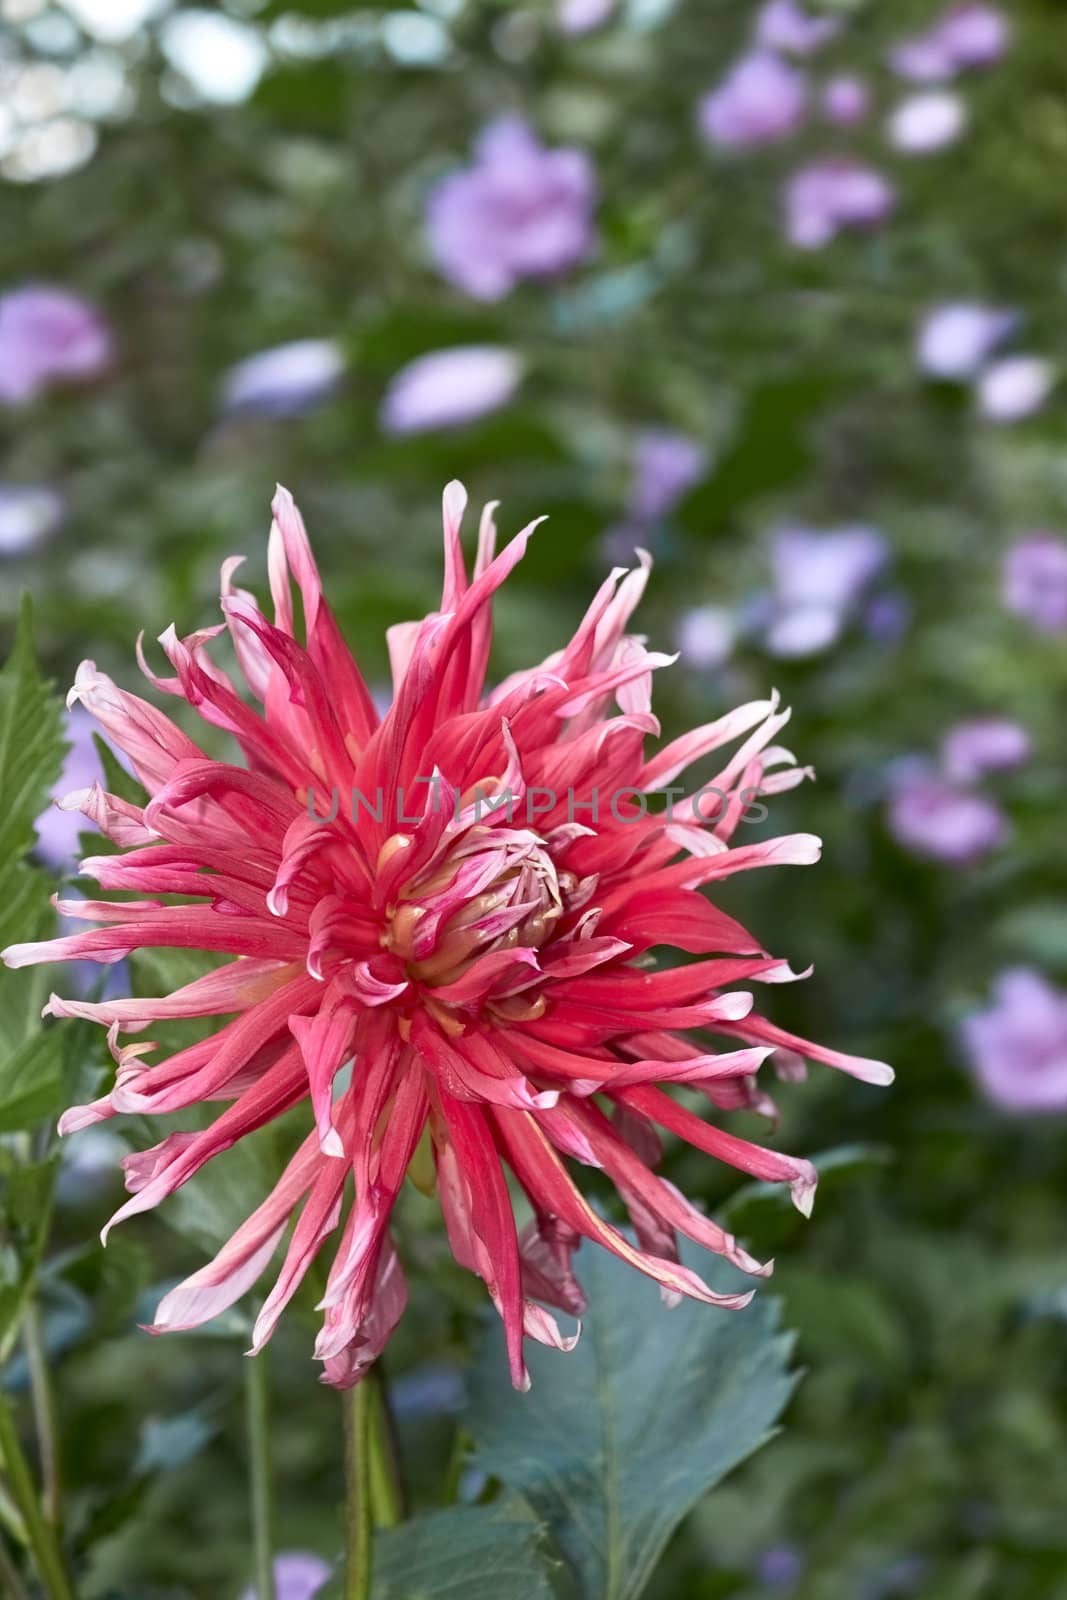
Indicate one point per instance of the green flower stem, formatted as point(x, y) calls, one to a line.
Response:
point(386, 1488)
point(44, 1412)
point(257, 1398)
point(40, 1535)
point(357, 1413)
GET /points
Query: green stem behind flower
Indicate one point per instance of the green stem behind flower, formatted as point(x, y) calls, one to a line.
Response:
point(257, 1398)
point(44, 1411)
point(357, 1412)
point(40, 1535)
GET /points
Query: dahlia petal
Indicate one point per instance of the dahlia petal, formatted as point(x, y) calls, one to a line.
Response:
point(675, 758)
point(236, 987)
point(479, 1218)
point(325, 1041)
point(153, 743)
point(368, 1338)
point(769, 1165)
point(761, 1031)
point(215, 1287)
point(542, 1174)
point(117, 819)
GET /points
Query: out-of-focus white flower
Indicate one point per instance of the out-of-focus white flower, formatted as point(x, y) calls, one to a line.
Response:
point(286, 380)
point(29, 513)
point(1015, 387)
point(705, 636)
point(955, 339)
point(583, 16)
point(449, 387)
point(927, 122)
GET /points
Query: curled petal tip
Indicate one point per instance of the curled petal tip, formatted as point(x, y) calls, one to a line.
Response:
point(803, 1191)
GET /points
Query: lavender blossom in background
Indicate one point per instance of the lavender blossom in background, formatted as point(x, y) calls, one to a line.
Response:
point(57, 829)
point(520, 211)
point(971, 35)
point(666, 466)
point(297, 1576)
point(780, 1567)
point(831, 195)
point(956, 338)
point(49, 336)
point(818, 580)
point(1017, 1047)
point(925, 123)
point(286, 380)
point(583, 16)
point(929, 815)
point(981, 745)
point(845, 100)
point(29, 514)
point(705, 636)
point(448, 387)
point(1034, 581)
point(1015, 388)
point(974, 34)
point(784, 25)
point(760, 101)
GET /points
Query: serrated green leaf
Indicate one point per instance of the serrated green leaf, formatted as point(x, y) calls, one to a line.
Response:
point(621, 1438)
point(30, 1082)
point(470, 1553)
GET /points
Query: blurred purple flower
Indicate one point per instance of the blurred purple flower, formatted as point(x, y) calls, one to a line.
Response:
point(1015, 387)
point(780, 1567)
point(785, 25)
point(760, 101)
point(845, 100)
point(832, 194)
point(285, 380)
point(818, 579)
point(1034, 581)
point(975, 34)
point(582, 16)
point(705, 636)
point(970, 35)
point(983, 744)
point(887, 617)
point(297, 1576)
point(57, 830)
point(924, 123)
point(449, 387)
point(520, 211)
point(922, 59)
point(1017, 1047)
point(930, 816)
point(666, 466)
point(48, 335)
point(955, 338)
point(29, 514)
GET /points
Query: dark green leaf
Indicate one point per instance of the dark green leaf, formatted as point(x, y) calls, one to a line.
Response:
point(620, 1439)
point(490, 1552)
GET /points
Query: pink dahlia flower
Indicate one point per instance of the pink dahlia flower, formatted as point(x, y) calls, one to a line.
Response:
point(470, 928)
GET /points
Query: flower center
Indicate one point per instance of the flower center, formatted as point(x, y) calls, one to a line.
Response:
point(494, 889)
